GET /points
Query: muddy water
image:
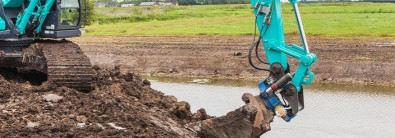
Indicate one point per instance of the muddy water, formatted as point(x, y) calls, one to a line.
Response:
point(330, 110)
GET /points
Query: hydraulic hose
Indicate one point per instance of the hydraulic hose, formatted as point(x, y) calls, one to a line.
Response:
point(256, 46)
point(250, 58)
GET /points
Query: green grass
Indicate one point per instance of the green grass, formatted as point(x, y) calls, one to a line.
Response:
point(320, 19)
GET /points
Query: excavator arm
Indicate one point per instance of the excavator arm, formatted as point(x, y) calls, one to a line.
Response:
point(281, 93)
point(22, 20)
point(282, 90)
point(38, 9)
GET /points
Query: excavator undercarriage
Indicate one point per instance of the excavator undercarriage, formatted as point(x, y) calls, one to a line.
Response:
point(63, 62)
point(23, 26)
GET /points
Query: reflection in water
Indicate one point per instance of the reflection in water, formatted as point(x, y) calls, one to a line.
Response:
point(328, 112)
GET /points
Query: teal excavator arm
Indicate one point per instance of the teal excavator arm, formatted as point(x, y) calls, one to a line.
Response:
point(2, 24)
point(282, 90)
point(38, 9)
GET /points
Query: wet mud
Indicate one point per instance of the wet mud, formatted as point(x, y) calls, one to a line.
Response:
point(121, 105)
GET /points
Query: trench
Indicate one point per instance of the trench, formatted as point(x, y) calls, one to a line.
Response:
point(331, 110)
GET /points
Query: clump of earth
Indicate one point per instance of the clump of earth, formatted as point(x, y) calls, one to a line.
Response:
point(122, 104)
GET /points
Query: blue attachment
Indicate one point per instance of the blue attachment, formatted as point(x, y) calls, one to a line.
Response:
point(288, 118)
point(2, 24)
point(274, 42)
point(262, 86)
point(271, 99)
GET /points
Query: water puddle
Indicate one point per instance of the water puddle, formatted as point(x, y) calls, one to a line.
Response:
point(331, 110)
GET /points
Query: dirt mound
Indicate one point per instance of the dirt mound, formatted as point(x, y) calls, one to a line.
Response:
point(121, 105)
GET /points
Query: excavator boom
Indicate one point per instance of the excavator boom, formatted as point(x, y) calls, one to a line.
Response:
point(281, 93)
point(281, 83)
point(33, 19)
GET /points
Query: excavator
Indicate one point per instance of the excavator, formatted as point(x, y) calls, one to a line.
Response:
point(24, 24)
point(28, 29)
point(281, 93)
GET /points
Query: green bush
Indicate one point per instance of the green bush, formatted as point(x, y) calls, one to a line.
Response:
point(90, 11)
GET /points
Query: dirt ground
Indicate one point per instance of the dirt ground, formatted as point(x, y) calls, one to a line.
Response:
point(121, 105)
point(339, 60)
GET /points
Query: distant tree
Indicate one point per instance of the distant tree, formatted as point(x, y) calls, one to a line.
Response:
point(90, 11)
point(104, 1)
point(188, 2)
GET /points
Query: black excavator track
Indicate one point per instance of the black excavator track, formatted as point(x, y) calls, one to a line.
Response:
point(66, 64)
point(63, 61)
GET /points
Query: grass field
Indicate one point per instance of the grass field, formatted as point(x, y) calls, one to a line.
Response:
point(320, 19)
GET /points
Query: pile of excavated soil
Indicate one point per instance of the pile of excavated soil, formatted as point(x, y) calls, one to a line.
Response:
point(120, 105)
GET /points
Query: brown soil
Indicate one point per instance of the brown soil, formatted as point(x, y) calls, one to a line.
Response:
point(339, 60)
point(124, 105)
point(120, 105)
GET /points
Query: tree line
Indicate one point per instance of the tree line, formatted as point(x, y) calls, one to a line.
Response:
point(209, 2)
point(185, 2)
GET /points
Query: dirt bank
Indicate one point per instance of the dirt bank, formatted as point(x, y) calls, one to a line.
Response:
point(339, 60)
point(120, 105)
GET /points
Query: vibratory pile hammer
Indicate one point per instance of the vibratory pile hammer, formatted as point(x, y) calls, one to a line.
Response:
point(24, 22)
point(282, 90)
point(281, 93)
